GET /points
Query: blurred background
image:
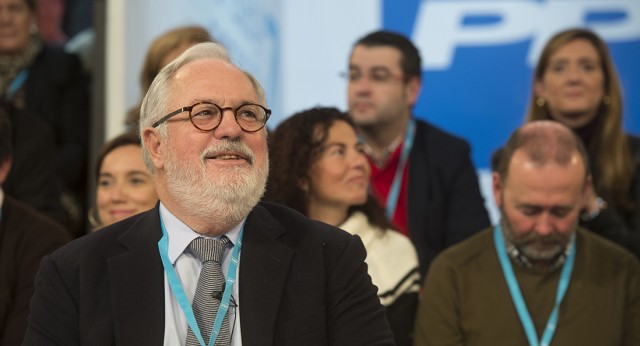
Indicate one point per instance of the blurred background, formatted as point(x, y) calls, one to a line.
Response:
point(477, 55)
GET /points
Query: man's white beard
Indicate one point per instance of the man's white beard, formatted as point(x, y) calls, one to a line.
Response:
point(223, 200)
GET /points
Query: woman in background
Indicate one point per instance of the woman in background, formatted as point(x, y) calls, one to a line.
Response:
point(46, 81)
point(125, 186)
point(162, 51)
point(575, 83)
point(318, 168)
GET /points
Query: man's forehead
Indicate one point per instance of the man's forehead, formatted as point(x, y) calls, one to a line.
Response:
point(213, 80)
point(525, 177)
point(522, 162)
point(369, 57)
point(199, 68)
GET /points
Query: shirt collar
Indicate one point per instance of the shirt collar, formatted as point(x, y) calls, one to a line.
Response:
point(381, 159)
point(180, 235)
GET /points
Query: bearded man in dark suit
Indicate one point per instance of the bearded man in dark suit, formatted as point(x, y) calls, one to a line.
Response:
point(299, 282)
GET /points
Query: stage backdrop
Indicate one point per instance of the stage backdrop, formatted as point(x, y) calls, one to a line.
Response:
point(477, 55)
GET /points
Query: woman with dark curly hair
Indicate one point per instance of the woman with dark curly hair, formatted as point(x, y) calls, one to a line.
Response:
point(318, 168)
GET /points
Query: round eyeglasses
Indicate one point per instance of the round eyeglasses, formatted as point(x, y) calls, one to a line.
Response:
point(207, 116)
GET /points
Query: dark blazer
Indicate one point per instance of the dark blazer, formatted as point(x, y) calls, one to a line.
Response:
point(57, 90)
point(445, 204)
point(301, 283)
point(25, 237)
point(32, 178)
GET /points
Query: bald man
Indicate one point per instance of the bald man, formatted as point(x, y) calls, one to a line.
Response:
point(536, 277)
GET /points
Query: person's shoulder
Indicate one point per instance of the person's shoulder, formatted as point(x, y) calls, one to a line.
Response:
point(33, 223)
point(431, 132)
point(295, 224)
point(399, 241)
point(97, 246)
point(439, 147)
point(634, 144)
point(55, 61)
point(468, 251)
point(604, 251)
point(56, 53)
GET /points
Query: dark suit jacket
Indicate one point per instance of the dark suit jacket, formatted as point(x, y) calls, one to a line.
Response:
point(57, 90)
point(445, 204)
point(25, 237)
point(301, 283)
point(32, 178)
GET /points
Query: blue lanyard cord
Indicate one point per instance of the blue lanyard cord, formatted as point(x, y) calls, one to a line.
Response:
point(17, 83)
point(516, 294)
point(394, 191)
point(181, 297)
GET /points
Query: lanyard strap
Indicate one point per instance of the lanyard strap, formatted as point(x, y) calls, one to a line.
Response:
point(17, 83)
point(181, 297)
point(394, 191)
point(516, 294)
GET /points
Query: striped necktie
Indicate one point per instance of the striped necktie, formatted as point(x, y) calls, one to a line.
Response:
point(211, 284)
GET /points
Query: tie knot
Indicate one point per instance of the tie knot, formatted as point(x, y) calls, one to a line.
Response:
point(208, 249)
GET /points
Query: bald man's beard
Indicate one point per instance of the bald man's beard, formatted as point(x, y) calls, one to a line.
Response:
point(535, 247)
point(223, 199)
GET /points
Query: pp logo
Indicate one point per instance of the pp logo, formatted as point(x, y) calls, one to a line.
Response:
point(443, 25)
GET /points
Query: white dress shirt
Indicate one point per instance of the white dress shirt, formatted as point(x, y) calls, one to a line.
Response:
point(188, 269)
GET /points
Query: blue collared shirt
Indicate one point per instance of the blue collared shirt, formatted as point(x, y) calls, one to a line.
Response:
point(188, 269)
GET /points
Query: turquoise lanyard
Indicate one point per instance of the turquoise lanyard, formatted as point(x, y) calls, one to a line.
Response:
point(17, 83)
point(394, 191)
point(516, 295)
point(181, 297)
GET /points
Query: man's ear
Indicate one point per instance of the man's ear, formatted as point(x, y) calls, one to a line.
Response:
point(498, 186)
point(413, 86)
point(153, 142)
point(5, 167)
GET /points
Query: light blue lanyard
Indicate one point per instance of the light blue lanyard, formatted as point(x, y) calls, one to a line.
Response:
point(181, 297)
point(394, 191)
point(16, 83)
point(516, 295)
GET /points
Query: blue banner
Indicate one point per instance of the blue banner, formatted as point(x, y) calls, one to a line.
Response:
point(478, 58)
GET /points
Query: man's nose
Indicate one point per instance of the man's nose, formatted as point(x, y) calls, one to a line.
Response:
point(362, 84)
point(228, 127)
point(544, 224)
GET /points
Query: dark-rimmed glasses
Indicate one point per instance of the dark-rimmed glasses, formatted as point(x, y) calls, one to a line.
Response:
point(378, 75)
point(207, 116)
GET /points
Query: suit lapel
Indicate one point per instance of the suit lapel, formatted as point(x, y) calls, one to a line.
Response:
point(137, 284)
point(264, 266)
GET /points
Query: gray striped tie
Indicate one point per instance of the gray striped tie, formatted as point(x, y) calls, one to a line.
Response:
point(209, 290)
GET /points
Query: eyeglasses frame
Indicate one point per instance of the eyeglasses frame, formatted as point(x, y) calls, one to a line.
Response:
point(267, 112)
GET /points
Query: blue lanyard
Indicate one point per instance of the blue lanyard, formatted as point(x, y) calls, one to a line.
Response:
point(516, 295)
point(394, 191)
point(181, 297)
point(16, 83)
